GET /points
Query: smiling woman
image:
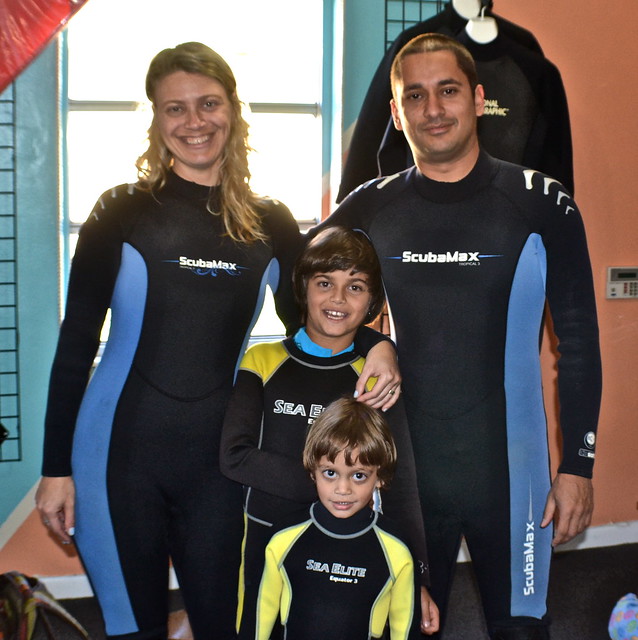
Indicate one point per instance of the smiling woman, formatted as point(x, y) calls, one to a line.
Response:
point(129, 470)
point(193, 116)
point(109, 114)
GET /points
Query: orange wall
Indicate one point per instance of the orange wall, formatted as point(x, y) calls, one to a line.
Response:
point(32, 550)
point(595, 47)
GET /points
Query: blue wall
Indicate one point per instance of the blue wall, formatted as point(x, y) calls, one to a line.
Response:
point(37, 214)
point(363, 48)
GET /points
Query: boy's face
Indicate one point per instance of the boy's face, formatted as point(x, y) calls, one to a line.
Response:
point(344, 490)
point(338, 303)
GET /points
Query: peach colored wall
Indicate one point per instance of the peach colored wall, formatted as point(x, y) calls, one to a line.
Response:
point(595, 47)
point(33, 550)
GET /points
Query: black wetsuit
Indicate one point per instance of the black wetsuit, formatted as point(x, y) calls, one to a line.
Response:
point(339, 578)
point(526, 119)
point(468, 267)
point(281, 388)
point(145, 433)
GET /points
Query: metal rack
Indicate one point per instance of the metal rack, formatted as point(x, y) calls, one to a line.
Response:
point(11, 448)
point(401, 14)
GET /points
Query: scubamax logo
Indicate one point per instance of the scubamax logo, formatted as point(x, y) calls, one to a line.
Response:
point(462, 258)
point(590, 443)
point(528, 558)
point(202, 267)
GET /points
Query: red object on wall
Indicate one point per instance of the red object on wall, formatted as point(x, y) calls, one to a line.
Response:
point(26, 27)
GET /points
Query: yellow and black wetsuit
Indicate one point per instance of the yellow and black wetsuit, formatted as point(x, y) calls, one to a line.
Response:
point(281, 388)
point(339, 578)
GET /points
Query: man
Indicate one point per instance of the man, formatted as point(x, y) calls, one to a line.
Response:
point(471, 249)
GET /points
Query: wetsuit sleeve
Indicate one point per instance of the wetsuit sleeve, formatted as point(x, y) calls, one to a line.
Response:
point(287, 244)
point(361, 162)
point(93, 273)
point(366, 338)
point(570, 294)
point(270, 590)
point(555, 157)
point(241, 458)
point(401, 501)
point(404, 606)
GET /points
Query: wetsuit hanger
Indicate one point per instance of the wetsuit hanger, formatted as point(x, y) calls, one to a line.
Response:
point(467, 8)
point(482, 29)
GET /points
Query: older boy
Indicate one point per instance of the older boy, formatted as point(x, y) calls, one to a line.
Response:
point(282, 387)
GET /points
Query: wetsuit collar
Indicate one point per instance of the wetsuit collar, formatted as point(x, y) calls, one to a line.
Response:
point(191, 190)
point(444, 192)
point(298, 354)
point(303, 341)
point(352, 527)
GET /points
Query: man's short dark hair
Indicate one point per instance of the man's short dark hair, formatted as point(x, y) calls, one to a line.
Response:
point(428, 43)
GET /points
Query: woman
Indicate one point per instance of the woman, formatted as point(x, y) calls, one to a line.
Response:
point(182, 259)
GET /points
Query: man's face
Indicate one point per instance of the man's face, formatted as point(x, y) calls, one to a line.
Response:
point(436, 108)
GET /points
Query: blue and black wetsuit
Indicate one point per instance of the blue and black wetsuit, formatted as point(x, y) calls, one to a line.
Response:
point(142, 441)
point(468, 267)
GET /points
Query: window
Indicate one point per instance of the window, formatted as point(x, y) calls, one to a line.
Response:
point(275, 50)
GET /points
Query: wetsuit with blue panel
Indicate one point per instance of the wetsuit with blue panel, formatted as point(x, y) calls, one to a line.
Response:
point(142, 440)
point(468, 267)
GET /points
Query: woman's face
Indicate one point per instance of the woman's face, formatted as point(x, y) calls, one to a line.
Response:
point(194, 117)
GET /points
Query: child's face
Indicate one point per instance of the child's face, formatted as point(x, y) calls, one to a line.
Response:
point(344, 490)
point(338, 304)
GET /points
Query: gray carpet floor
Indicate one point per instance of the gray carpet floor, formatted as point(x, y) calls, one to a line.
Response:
point(585, 585)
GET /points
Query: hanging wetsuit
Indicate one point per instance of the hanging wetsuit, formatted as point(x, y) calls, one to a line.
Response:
point(526, 119)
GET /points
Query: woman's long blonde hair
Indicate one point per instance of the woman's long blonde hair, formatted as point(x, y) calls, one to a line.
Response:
point(237, 204)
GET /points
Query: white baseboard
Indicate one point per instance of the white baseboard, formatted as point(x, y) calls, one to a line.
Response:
point(609, 535)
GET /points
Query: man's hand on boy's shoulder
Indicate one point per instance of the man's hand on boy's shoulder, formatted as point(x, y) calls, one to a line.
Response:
point(381, 363)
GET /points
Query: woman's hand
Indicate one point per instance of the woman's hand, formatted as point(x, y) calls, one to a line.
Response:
point(55, 500)
point(381, 363)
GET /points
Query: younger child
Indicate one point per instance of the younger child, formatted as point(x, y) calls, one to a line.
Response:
point(343, 572)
